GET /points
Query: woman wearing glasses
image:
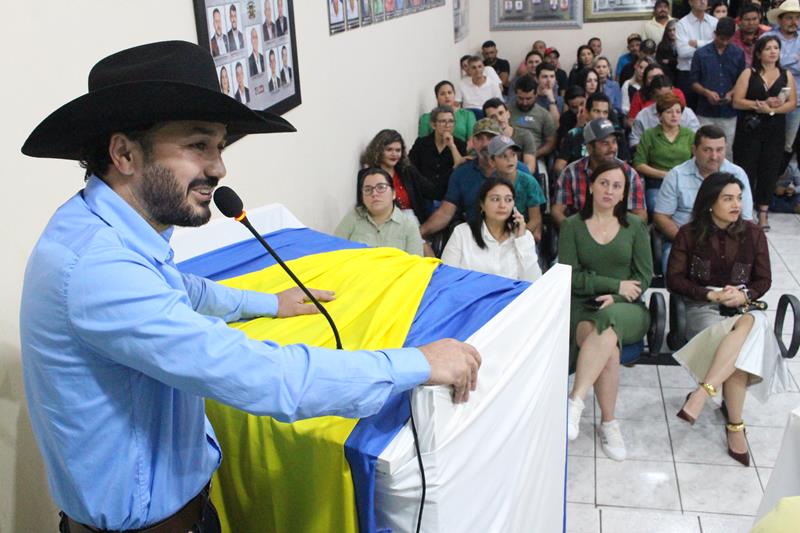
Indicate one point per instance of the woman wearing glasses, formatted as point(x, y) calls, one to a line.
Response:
point(376, 221)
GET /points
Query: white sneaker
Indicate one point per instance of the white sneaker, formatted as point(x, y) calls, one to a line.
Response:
point(574, 418)
point(611, 440)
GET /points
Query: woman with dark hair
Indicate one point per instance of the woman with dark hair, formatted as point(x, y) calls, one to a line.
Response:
point(763, 94)
point(634, 83)
point(589, 80)
point(720, 263)
point(667, 50)
point(387, 151)
point(376, 220)
point(609, 252)
point(718, 9)
point(497, 242)
point(585, 57)
point(446, 96)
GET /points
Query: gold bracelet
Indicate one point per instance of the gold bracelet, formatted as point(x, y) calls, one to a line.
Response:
point(711, 390)
point(735, 428)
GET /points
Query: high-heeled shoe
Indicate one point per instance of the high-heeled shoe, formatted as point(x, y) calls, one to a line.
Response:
point(744, 457)
point(683, 415)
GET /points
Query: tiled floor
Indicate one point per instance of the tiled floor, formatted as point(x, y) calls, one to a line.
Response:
point(679, 478)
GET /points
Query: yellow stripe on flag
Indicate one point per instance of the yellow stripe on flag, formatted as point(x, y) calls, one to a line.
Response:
point(278, 477)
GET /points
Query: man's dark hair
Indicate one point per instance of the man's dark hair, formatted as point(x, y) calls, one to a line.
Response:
point(533, 53)
point(489, 44)
point(525, 84)
point(493, 103)
point(598, 97)
point(440, 85)
point(659, 82)
point(749, 8)
point(272, 53)
point(726, 27)
point(660, 2)
point(709, 131)
point(233, 8)
point(95, 158)
point(593, 39)
point(216, 12)
point(576, 91)
point(544, 66)
point(464, 58)
point(474, 59)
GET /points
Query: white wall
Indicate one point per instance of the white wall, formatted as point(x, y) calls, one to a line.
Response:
point(353, 85)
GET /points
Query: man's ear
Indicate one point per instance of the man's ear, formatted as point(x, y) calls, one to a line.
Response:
point(126, 154)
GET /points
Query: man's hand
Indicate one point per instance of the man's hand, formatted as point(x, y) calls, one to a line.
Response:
point(712, 97)
point(453, 363)
point(693, 43)
point(293, 302)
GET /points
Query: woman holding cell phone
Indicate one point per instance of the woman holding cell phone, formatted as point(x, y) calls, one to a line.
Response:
point(609, 252)
point(497, 242)
point(763, 94)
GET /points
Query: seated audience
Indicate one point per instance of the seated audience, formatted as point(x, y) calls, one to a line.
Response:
point(610, 87)
point(478, 88)
point(547, 92)
point(634, 43)
point(645, 97)
point(446, 96)
point(764, 94)
point(589, 80)
point(596, 45)
point(648, 117)
point(575, 113)
point(600, 137)
point(387, 150)
point(667, 50)
point(663, 147)
point(585, 58)
point(503, 153)
point(376, 221)
point(609, 252)
point(435, 155)
point(553, 57)
point(532, 60)
point(646, 51)
point(721, 263)
point(497, 241)
point(497, 110)
point(538, 47)
point(572, 147)
point(534, 118)
point(632, 85)
point(787, 191)
point(501, 66)
point(679, 187)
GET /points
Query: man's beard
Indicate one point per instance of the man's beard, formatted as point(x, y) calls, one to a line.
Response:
point(525, 108)
point(167, 202)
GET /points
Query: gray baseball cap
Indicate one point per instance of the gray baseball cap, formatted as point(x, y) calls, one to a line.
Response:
point(598, 129)
point(500, 144)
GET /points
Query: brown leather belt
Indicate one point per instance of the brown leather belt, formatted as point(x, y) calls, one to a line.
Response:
point(181, 522)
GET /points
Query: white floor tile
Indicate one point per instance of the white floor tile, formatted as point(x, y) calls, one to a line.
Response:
point(637, 403)
point(719, 489)
point(637, 484)
point(765, 443)
point(580, 479)
point(701, 443)
point(763, 476)
point(583, 446)
point(675, 377)
point(716, 523)
point(629, 520)
point(774, 413)
point(639, 376)
point(646, 441)
point(582, 518)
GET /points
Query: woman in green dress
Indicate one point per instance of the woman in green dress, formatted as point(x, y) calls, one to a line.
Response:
point(609, 252)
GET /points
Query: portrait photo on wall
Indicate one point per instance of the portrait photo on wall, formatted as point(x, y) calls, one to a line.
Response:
point(535, 14)
point(336, 16)
point(353, 14)
point(254, 47)
point(366, 12)
point(602, 10)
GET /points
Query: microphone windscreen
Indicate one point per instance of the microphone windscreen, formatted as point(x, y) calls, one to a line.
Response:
point(228, 202)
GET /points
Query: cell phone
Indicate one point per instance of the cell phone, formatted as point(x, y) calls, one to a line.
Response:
point(784, 94)
point(592, 303)
point(512, 223)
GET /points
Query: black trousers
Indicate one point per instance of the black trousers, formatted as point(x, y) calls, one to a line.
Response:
point(684, 83)
point(760, 154)
point(208, 524)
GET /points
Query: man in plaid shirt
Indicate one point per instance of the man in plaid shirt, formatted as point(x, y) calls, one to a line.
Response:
point(601, 143)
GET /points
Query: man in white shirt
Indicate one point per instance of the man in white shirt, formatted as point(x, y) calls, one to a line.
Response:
point(654, 28)
point(693, 31)
point(478, 88)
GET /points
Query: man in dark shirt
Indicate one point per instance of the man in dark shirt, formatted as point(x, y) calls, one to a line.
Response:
point(553, 56)
point(501, 66)
point(715, 69)
point(572, 146)
point(436, 155)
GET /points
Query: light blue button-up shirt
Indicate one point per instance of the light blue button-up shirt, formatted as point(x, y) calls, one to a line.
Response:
point(790, 53)
point(679, 190)
point(119, 349)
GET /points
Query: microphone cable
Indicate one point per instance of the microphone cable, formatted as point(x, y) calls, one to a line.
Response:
point(230, 205)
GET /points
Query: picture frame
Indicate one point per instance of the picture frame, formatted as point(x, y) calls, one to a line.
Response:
point(608, 10)
point(254, 46)
point(535, 14)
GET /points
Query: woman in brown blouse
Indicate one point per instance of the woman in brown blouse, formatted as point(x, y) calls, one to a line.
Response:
point(721, 262)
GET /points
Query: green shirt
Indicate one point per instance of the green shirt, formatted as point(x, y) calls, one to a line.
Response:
point(400, 231)
point(656, 150)
point(465, 120)
point(527, 193)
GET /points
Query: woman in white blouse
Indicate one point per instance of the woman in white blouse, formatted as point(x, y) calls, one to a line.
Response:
point(497, 242)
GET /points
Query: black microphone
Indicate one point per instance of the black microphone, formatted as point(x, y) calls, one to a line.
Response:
point(229, 203)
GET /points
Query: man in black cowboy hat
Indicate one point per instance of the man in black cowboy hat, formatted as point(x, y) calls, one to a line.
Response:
point(119, 348)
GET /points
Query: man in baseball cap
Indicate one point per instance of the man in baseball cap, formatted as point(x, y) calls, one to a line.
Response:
point(600, 137)
point(120, 349)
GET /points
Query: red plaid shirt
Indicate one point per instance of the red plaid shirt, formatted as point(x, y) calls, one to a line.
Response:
point(574, 180)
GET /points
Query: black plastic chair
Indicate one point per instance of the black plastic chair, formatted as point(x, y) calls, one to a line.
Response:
point(676, 338)
point(657, 247)
point(655, 335)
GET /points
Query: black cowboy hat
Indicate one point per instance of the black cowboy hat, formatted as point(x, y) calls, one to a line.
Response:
point(137, 87)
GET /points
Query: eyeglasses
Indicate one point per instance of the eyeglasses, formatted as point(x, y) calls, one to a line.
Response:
point(446, 121)
point(380, 188)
